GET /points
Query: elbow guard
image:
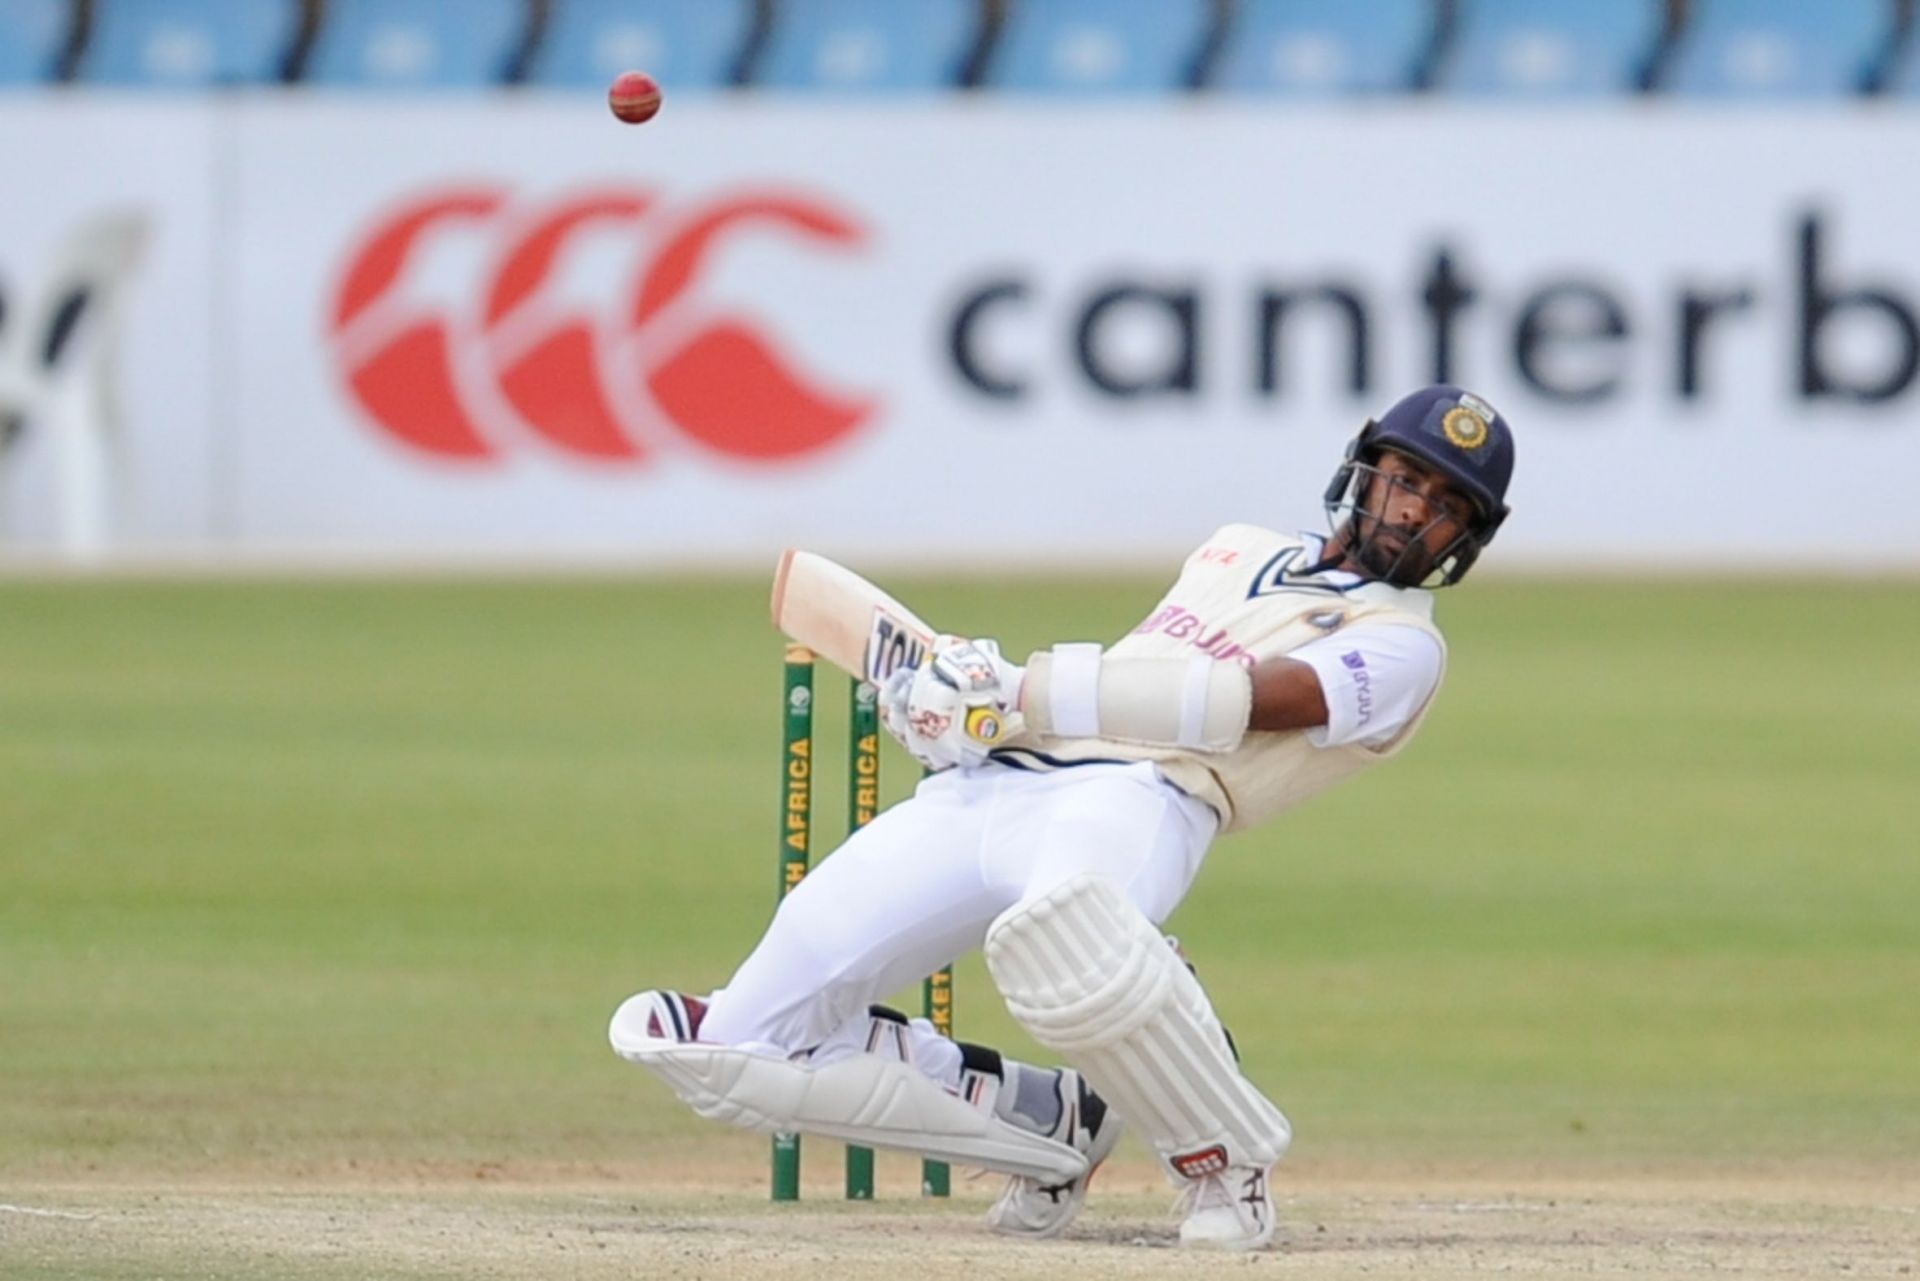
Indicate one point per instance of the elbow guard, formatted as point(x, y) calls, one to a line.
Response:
point(1075, 691)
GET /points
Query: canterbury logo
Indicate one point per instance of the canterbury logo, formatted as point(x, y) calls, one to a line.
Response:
point(527, 360)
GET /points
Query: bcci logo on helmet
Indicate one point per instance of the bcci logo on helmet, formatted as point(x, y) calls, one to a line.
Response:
point(523, 360)
point(1466, 427)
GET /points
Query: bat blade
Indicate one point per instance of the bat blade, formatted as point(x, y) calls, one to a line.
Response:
point(845, 619)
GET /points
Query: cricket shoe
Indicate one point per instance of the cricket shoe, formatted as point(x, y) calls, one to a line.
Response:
point(1035, 1210)
point(657, 1015)
point(1230, 1210)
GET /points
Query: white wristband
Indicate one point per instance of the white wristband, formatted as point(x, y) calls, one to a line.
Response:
point(1073, 700)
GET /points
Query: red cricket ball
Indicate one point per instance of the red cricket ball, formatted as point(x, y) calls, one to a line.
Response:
point(634, 97)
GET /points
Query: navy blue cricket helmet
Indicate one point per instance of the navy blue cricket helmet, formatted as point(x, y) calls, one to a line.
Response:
point(1452, 431)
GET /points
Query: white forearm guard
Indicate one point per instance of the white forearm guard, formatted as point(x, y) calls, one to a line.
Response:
point(1075, 691)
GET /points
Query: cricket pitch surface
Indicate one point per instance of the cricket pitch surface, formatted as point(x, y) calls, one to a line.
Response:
point(706, 1222)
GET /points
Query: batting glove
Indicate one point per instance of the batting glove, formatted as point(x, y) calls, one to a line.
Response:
point(957, 706)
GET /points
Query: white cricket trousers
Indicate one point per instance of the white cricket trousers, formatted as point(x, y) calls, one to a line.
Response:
point(918, 887)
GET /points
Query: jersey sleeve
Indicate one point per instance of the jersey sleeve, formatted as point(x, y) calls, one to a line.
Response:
point(1375, 677)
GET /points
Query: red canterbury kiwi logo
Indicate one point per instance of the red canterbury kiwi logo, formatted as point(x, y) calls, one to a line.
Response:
point(524, 362)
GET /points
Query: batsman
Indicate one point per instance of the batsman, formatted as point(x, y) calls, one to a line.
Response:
point(1073, 800)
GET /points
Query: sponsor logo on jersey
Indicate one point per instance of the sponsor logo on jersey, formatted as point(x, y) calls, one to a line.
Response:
point(1362, 685)
point(1179, 623)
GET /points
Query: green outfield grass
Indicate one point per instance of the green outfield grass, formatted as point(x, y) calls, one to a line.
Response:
point(298, 875)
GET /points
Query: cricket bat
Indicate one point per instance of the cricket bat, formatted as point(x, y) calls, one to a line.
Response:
point(845, 619)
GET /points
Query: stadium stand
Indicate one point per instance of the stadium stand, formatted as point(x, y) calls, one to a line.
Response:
point(684, 44)
point(1101, 46)
point(1550, 48)
point(1725, 49)
point(869, 45)
point(33, 36)
point(1779, 48)
point(1328, 47)
point(190, 44)
point(1903, 74)
point(418, 44)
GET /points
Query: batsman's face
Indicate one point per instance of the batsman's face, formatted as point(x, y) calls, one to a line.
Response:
point(1411, 515)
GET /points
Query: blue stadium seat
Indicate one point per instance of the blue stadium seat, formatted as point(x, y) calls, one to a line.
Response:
point(684, 44)
point(417, 44)
point(189, 44)
point(1100, 46)
point(1551, 48)
point(1904, 81)
point(1778, 48)
point(32, 35)
point(1324, 47)
point(869, 45)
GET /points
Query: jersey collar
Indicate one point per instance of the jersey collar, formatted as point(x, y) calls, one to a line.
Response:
point(1285, 572)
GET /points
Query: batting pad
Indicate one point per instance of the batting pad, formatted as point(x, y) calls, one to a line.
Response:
point(865, 1099)
point(1091, 978)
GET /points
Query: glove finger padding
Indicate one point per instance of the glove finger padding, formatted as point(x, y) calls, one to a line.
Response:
point(893, 703)
point(956, 707)
point(971, 667)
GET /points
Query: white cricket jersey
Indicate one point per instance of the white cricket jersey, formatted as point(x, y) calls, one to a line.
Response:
point(1376, 675)
point(1244, 596)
